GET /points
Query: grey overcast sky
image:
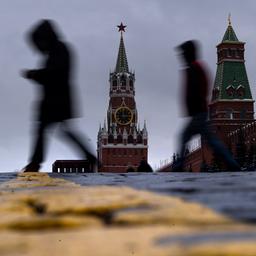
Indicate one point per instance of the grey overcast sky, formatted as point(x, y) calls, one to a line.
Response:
point(154, 28)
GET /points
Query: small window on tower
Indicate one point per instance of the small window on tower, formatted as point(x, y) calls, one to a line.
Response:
point(222, 53)
point(240, 53)
point(139, 139)
point(243, 114)
point(110, 138)
point(130, 139)
point(229, 114)
point(119, 139)
point(225, 53)
point(114, 84)
point(131, 84)
point(240, 91)
point(123, 82)
point(230, 91)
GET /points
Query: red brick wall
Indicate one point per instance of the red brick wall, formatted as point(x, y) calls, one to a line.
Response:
point(120, 159)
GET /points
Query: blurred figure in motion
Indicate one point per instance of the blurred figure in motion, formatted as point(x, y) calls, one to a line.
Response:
point(55, 105)
point(144, 166)
point(196, 104)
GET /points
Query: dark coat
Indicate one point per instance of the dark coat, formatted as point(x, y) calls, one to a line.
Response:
point(196, 89)
point(54, 77)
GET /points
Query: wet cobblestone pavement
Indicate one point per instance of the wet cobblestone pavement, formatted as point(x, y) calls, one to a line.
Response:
point(128, 214)
point(6, 176)
point(233, 194)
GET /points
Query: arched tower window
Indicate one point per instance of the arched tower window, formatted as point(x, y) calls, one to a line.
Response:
point(239, 53)
point(130, 139)
point(131, 84)
point(243, 114)
point(240, 91)
point(119, 139)
point(230, 91)
point(229, 114)
point(114, 84)
point(139, 139)
point(123, 82)
point(110, 138)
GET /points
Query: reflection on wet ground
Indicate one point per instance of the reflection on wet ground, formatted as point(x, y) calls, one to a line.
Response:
point(233, 194)
point(5, 176)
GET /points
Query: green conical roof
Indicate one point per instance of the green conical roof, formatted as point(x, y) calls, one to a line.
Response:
point(231, 76)
point(230, 35)
point(121, 63)
point(230, 73)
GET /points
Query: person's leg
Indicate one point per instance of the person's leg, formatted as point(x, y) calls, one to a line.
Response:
point(73, 136)
point(218, 147)
point(38, 149)
point(185, 136)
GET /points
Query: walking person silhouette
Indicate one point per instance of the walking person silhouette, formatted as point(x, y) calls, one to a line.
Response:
point(56, 104)
point(195, 101)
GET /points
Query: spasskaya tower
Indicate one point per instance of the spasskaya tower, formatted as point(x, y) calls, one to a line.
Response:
point(121, 142)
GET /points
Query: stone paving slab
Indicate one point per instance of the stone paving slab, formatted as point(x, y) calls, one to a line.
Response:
point(6, 176)
point(230, 193)
point(40, 215)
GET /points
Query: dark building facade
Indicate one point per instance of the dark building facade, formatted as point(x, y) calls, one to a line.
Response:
point(72, 166)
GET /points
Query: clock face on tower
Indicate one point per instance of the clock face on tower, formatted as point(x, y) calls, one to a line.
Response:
point(123, 116)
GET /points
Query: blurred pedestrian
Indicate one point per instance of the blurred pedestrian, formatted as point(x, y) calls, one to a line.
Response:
point(144, 166)
point(56, 104)
point(196, 104)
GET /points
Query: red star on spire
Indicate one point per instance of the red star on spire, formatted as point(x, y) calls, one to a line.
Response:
point(121, 27)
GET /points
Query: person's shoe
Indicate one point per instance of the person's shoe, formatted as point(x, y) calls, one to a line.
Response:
point(236, 169)
point(248, 169)
point(32, 167)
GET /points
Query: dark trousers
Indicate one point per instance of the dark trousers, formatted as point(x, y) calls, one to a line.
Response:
point(198, 125)
point(40, 141)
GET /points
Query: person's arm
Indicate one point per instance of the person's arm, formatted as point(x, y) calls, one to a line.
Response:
point(58, 64)
point(37, 75)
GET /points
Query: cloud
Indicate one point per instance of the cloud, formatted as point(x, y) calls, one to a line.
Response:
point(154, 28)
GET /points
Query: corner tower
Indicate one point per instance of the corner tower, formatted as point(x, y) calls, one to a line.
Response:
point(232, 104)
point(121, 142)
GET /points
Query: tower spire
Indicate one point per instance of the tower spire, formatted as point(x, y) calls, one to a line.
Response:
point(229, 19)
point(121, 137)
point(231, 81)
point(121, 63)
point(230, 35)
